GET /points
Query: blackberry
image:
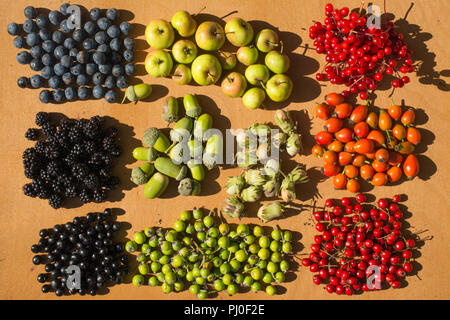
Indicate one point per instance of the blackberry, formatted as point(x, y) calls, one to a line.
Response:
point(29, 191)
point(99, 195)
point(73, 159)
point(55, 201)
point(29, 152)
point(85, 196)
point(49, 129)
point(32, 134)
point(71, 192)
point(75, 135)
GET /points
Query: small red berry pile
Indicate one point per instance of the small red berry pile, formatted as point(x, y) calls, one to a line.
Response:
point(355, 237)
point(359, 56)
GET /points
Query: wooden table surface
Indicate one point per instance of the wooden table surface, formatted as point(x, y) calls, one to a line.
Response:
point(428, 201)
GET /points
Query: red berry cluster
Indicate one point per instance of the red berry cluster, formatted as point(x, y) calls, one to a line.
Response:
point(359, 56)
point(355, 237)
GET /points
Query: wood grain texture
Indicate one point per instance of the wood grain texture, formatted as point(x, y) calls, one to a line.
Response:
point(21, 217)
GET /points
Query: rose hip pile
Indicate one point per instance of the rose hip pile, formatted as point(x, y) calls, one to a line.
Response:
point(357, 55)
point(355, 237)
point(357, 142)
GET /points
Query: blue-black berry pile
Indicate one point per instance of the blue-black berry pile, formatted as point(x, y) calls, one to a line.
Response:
point(71, 159)
point(92, 61)
point(84, 245)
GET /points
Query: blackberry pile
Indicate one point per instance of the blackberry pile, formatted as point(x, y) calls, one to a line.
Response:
point(77, 63)
point(71, 159)
point(87, 244)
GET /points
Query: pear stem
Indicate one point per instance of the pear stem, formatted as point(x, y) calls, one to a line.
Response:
point(198, 12)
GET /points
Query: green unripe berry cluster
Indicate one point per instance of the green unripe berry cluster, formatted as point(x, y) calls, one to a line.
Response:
point(203, 256)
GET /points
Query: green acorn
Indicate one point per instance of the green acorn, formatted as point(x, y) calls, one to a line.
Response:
point(170, 110)
point(213, 150)
point(233, 207)
point(156, 186)
point(197, 170)
point(145, 154)
point(167, 167)
point(137, 92)
point(191, 105)
point(202, 124)
point(189, 187)
point(142, 174)
point(156, 139)
point(182, 128)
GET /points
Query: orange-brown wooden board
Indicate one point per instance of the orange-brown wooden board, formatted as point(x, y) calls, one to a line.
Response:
point(428, 201)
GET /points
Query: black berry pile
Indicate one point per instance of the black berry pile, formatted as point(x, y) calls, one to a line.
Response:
point(71, 159)
point(75, 64)
point(83, 247)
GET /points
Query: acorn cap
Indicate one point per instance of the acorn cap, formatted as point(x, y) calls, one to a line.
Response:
point(150, 136)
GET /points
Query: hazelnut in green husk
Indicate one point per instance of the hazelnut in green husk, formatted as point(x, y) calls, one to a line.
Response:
point(189, 187)
point(284, 121)
point(156, 139)
point(254, 177)
point(270, 211)
point(141, 174)
point(235, 185)
point(233, 207)
point(272, 187)
point(294, 144)
point(251, 194)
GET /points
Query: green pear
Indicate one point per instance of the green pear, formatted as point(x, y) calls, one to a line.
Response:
point(239, 32)
point(253, 98)
point(279, 87)
point(210, 36)
point(206, 69)
point(158, 63)
point(247, 55)
point(184, 23)
point(257, 74)
point(184, 51)
point(277, 62)
point(182, 74)
point(267, 40)
point(159, 34)
point(234, 85)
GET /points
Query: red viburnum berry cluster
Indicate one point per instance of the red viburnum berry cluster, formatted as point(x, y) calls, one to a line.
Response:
point(353, 238)
point(359, 56)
